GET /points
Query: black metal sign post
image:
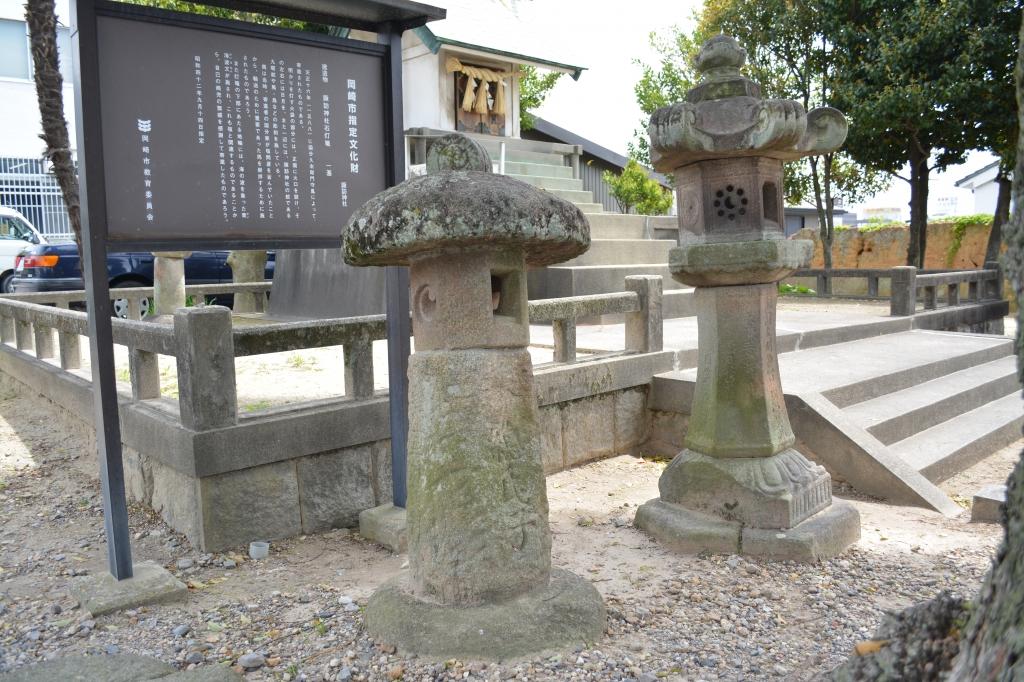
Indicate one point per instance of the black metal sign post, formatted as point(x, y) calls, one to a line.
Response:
point(397, 279)
point(145, 85)
point(101, 339)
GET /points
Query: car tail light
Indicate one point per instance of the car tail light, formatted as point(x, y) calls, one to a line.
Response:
point(47, 261)
point(17, 261)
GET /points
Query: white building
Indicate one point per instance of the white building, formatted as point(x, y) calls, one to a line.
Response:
point(25, 184)
point(983, 185)
point(462, 73)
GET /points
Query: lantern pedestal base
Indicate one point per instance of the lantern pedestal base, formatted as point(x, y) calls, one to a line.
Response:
point(566, 611)
point(826, 534)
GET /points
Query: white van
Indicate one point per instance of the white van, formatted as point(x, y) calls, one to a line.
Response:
point(16, 233)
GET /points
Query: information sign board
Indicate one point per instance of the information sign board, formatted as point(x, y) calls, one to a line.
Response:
point(214, 135)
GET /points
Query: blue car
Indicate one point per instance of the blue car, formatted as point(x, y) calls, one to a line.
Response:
point(56, 267)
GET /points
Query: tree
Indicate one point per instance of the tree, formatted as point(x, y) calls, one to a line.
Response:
point(908, 84)
point(41, 17)
point(790, 58)
point(993, 45)
point(633, 188)
point(992, 647)
point(533, 90)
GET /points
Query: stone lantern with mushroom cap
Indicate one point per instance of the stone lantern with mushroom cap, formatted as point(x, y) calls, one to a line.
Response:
point(740, 486)
point(480, 582)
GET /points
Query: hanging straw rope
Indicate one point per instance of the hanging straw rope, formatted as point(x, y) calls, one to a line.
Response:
point(478, 86)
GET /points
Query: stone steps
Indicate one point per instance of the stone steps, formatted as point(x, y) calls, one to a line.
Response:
point(579, 280)
point(622, 226)
point(893, 413)
point(946, 449)
point(895, 416)
point(552, 183)
point(623, 252)
point(544, 170)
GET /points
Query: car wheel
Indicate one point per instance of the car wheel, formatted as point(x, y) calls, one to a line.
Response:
point(7, 283)
point(120, 305)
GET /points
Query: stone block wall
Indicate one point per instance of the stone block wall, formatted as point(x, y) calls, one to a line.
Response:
point(603, 425)
point(887, 247)
point(268, 502)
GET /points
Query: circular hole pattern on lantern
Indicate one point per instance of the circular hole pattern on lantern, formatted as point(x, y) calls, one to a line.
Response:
point(730, 202)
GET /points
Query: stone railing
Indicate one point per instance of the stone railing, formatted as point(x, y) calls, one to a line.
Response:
point(197, 459)
point(908, 285)
point(641, 303)
point(136, 297)
point(204, 345)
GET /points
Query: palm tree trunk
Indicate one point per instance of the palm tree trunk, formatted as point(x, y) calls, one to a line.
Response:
point(42, 26)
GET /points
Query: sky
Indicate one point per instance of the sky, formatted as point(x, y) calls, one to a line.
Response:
point(611, 34)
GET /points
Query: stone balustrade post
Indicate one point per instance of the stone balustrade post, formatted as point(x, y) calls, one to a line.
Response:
point(168, 282)
point(994, 288)
point(207, 395)
point(953, 294)
point(23, 335)
point(564, 333)
point(903, 291)
point(359, 369)
point(144, 372)
point(43, 337)
point(6, 329)
point(645, 327)
point(70, 350)
point(872, 286)
point(248, 266)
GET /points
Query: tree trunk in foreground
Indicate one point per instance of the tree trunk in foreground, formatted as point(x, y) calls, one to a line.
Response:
point(1002, 215)
point(935, 640)
point(993, 648)
point(917, 242)
point(42, 26)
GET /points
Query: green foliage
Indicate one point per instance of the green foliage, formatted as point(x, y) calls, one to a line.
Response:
point(663, 84)
point(876, 224)
point(633, 188)
point(223, 13)
point(533, 90)
point(924, 82)
point(959, 229)
point(788, 55)
point(787, 289)
point(966, 221)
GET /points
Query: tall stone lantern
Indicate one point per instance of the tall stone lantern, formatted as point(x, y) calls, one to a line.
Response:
point(480, 582)
point(740, 486)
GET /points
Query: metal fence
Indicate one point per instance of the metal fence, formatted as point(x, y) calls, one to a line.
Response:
point(27, 186)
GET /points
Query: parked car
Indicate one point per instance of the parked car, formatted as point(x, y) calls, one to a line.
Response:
point(16, 234)
point(56, 267)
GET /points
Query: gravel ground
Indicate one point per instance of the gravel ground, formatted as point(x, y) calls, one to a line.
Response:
point(297, 615)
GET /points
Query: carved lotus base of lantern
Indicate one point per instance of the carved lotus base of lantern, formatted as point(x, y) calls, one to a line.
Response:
point(735, 263)
point(824, 535)
point(760, 492)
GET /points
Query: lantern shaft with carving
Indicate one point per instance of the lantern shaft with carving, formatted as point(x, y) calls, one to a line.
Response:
point(740, 486)
point(480, 583)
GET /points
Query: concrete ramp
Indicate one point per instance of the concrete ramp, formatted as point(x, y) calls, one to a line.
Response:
point(893, 415)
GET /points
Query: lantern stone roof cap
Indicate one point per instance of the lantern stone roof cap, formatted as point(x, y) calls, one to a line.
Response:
point(724, 116)
point(457, 209)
